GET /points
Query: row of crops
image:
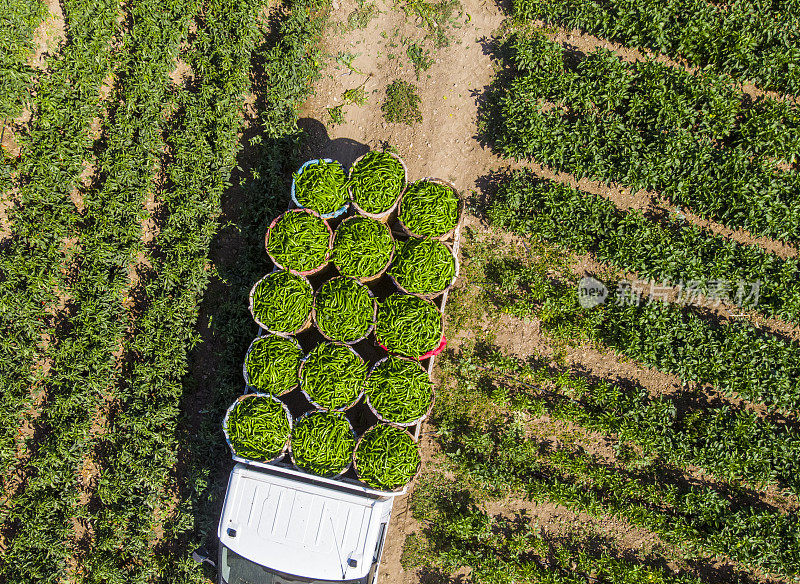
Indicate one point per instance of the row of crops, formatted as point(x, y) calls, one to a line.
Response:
point(20, 22)
point(702, 519)
point(501, 425)
point(671, 251)
point(691, 137)
point(459, 534)
point(351, 310)
point(117, 351)
point(736, 357)
point(751, 41)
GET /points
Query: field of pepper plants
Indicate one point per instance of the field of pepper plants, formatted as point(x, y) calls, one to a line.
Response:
point(635, 406)
point(104, 271)
point(617, 396)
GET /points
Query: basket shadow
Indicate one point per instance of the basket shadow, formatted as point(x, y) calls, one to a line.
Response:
point(319, 145)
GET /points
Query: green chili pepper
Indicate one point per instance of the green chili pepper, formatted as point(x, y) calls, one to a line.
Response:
point(429, 209)
point(386, 457)
point(282, 302)
point(399, 390)
point(299, 241)
point(333, 376)
point(272, 364)
point(408, 325)
point(321, 187)
point(423, 266)
point(376, 182)
point(344, 309)
point(258, 428)
point(322, 443)
point(362, 247)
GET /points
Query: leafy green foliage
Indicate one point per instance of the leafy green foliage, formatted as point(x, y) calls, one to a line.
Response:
point(735, 357)
point(508, 548)
point(356, 95)
point(402, 102)
point(701, 519)
point(20, 19)
point(725, 440)
point(110, 237)
point(752, 41)
point(436, 17)
point(690, 136)
point(674, 251)
point(336, 114)
point(43, 216)
point(362, 15)
point(199, 127)
point(419, 57)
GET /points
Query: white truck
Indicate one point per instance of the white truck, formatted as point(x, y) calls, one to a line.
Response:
point(280, 525)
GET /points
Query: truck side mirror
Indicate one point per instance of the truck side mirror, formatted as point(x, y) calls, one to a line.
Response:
point(201, 556)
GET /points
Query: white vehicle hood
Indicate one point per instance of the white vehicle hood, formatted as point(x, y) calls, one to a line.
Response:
point(297, 528)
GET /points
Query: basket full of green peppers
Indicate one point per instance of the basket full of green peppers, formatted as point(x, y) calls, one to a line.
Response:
point(344, 310)
point(272, 364)
point(377, 180)
point(299, 240)
point(322, 443)
point(430, 207)
point(408, 325)
point(386, 457)
point(362, 248)
point(321, 185)
point(424, 267)
point(399, 391)
point(257, 427)
point(282, 302)
point(332, 376)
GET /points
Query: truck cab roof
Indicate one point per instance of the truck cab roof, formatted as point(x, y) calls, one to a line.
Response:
point(301, 528)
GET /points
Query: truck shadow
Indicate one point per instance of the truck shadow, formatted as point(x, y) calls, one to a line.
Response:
point(259, 191)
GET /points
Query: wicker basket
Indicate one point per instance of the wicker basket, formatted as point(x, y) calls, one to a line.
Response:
point(302, 328)
point(300, 468)
point(460, 210)
point(247, 355)
point(315, 404)
point(285, 448)
point(366, 279)
point(341, 211)
point(298, 272)
point(422, 418)
point(355, 463)
point(432, 295)
point(384, 216)
point(358, 340)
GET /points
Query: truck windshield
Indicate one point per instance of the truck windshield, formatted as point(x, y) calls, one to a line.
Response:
point(238, 570)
